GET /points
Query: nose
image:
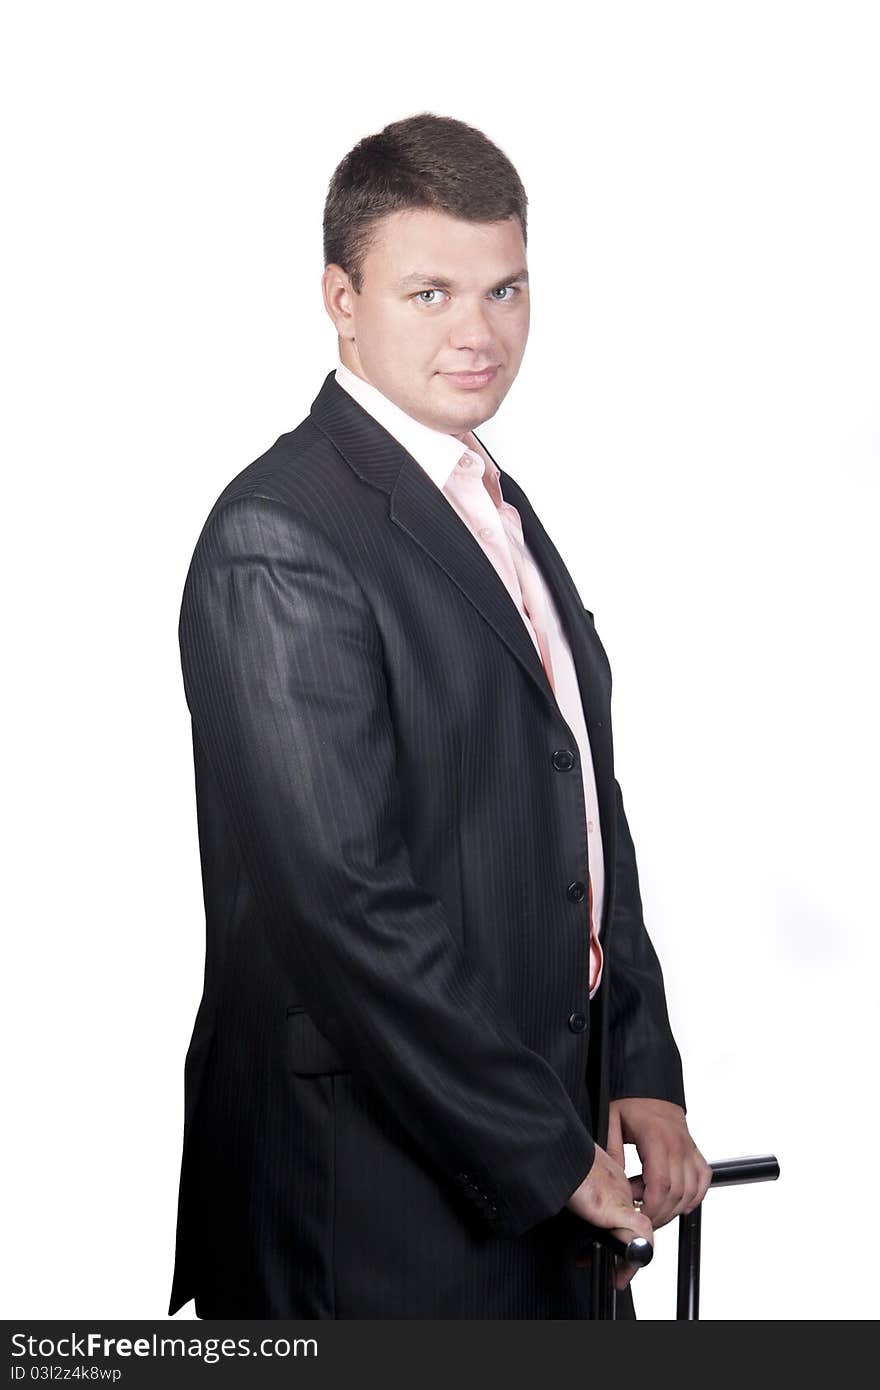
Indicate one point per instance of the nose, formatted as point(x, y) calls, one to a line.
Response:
point(472, 328)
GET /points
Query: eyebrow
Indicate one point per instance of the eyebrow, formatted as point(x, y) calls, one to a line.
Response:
point(442, 282)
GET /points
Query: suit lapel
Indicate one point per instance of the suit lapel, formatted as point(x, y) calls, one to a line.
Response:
point(589, 657)
point(418, 507)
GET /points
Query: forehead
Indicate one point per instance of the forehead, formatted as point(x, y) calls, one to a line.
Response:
point(425, 241)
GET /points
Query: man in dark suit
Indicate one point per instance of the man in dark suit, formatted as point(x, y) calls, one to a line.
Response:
point(431, 1012)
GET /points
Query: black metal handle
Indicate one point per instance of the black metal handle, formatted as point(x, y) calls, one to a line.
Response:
point(637, 1251)
point(725, 1173)
point(755, 1168)
point(604, 1251)
point(604, 1248)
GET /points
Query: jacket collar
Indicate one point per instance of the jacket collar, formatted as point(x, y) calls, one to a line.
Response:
point(437, 452)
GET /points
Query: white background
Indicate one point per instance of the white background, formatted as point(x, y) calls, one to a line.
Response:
point(700, 398)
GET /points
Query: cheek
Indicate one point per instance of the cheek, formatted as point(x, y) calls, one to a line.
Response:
point(403, 341)
point(516, 341)
point(520, 328)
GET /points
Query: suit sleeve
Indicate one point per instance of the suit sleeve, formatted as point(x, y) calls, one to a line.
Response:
point(644, 1058)
point(283, 671)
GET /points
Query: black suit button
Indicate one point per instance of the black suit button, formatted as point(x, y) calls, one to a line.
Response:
point(577, 1022)
point(563, 759)
point(576, 891)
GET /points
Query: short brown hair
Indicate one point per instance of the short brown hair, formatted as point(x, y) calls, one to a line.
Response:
point(423, 161)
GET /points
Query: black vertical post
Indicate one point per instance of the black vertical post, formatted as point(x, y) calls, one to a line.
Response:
point(689, 1266)
point(600, 1275)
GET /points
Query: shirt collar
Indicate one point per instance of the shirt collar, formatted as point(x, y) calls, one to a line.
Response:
point(435, 451)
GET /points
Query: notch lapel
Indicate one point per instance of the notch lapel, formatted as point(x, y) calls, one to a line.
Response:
point(418, 507)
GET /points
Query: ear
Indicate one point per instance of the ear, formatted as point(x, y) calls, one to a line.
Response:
point(339, 299)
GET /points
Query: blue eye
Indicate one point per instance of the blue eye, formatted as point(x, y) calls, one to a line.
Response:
point(514, 290)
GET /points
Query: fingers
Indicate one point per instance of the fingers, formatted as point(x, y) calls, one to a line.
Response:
point(637, 1224)
point(665, 1187)
point(605, 1196)
point(634, 1224)
point(624, 1274)
point(697, 1179)
point(675, 1183)
point(701, 1176)
point(676, 1176)
point(605, 1199)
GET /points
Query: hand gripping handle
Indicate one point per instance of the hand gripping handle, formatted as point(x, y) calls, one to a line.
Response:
point(637, 1251)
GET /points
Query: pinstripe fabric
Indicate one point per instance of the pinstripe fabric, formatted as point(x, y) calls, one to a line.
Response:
point(469, 480)
point(395, 1073)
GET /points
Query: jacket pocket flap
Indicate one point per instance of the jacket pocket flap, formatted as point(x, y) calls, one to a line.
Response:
point(308, 1052)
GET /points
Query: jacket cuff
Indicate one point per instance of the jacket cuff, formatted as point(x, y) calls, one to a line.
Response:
point(657, 1077)
point(521, 1205)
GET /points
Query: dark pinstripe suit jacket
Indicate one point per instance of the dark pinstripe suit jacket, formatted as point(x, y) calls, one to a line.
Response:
point(395, 1076)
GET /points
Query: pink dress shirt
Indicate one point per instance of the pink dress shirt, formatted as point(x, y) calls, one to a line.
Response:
point(470, 482)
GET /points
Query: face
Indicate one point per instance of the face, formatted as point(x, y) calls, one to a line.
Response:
point(442, 300)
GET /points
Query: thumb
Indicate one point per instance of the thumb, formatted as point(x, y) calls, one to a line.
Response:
point(614, 1144)
point(624, 1273)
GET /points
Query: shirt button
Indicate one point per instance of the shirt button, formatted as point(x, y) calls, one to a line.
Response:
point(486, 532)
point(590, 826)
point(465, 461)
